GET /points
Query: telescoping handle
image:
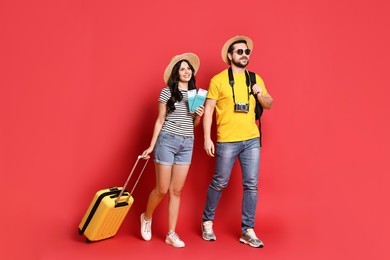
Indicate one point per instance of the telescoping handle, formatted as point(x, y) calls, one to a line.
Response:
point(131, 173)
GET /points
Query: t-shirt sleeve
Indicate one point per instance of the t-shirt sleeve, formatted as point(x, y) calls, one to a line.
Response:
point(259, 81)
point(165, 94)
point(213, 91)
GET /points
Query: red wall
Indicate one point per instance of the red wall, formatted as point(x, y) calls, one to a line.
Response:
point(78, 99)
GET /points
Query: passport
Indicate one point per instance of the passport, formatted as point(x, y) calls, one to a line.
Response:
point(196, 98)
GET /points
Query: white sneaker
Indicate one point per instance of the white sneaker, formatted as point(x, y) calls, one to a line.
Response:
point(146, 228)
point(250, 238)
point(207, 231)
point(174, 240)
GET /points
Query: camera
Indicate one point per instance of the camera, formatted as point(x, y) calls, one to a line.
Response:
point(241, 107)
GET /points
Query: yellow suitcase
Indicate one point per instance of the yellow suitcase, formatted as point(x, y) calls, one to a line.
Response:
point(108, 209)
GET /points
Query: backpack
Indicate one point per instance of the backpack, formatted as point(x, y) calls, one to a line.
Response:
point(258, 108)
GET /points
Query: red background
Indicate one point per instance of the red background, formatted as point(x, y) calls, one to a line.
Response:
point(78, 99)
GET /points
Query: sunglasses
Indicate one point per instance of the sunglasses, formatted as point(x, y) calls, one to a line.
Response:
point(241, 51)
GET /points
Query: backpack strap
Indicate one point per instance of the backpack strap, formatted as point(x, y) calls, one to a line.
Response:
point(258, 108)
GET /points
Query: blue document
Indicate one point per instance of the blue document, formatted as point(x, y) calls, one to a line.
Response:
point(191, 97)
point(199, 99)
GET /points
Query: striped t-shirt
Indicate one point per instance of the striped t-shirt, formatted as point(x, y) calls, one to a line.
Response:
point(180, 121)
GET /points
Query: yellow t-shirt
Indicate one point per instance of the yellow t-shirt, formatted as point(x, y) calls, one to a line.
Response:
point(234, 126)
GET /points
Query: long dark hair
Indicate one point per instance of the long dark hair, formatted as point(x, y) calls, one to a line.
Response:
point(173, 84)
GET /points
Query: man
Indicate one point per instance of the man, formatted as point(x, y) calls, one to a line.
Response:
point(233, 98)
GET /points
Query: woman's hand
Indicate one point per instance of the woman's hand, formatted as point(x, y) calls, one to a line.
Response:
point(147, 152)
point(199, 111)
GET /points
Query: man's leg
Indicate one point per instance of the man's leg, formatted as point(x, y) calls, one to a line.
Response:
point(250, 162)
point(226, 154)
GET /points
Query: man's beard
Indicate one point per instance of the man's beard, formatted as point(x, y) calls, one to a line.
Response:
point(240, 65)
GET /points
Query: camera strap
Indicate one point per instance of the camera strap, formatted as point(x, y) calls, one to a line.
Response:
point(231, 82)
point(250, 81)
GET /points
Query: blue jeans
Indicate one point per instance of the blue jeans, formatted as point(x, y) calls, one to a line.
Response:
point(173, 149)
point(248, 153)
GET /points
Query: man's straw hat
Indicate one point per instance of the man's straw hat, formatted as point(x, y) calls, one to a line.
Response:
point(226, 46)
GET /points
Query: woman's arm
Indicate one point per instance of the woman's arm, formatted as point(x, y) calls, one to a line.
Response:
point(162, 112)
point(199, 113)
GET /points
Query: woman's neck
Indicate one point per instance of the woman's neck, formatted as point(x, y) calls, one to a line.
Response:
point(183, 85)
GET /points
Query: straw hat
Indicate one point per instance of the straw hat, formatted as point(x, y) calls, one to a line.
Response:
point(191, 57)
point(227, 44)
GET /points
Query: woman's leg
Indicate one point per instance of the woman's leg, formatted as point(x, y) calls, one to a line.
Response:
point(163, 180)
point(178, 178)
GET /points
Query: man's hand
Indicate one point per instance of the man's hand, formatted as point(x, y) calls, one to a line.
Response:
point(257, 89)
point(209, 147)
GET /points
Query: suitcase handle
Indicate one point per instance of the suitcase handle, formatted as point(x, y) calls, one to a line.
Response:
point(131, 173)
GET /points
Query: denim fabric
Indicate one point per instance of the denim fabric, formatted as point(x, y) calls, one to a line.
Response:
point(173, 149)
point(248, 153)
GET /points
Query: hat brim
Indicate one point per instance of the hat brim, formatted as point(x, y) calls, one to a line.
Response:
point(227, 44)
point(190, 57)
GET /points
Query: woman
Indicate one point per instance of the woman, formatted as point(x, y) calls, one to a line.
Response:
point(172, 142)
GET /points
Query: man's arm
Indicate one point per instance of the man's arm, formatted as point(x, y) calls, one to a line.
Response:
point(266, 100)
point(207, 121)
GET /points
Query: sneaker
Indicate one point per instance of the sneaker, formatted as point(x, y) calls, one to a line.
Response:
point(173, 239)
point(146, 228)
point(250, 238)
point(207, 231)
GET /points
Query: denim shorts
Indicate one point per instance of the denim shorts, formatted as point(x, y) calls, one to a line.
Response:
point(173, 149)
